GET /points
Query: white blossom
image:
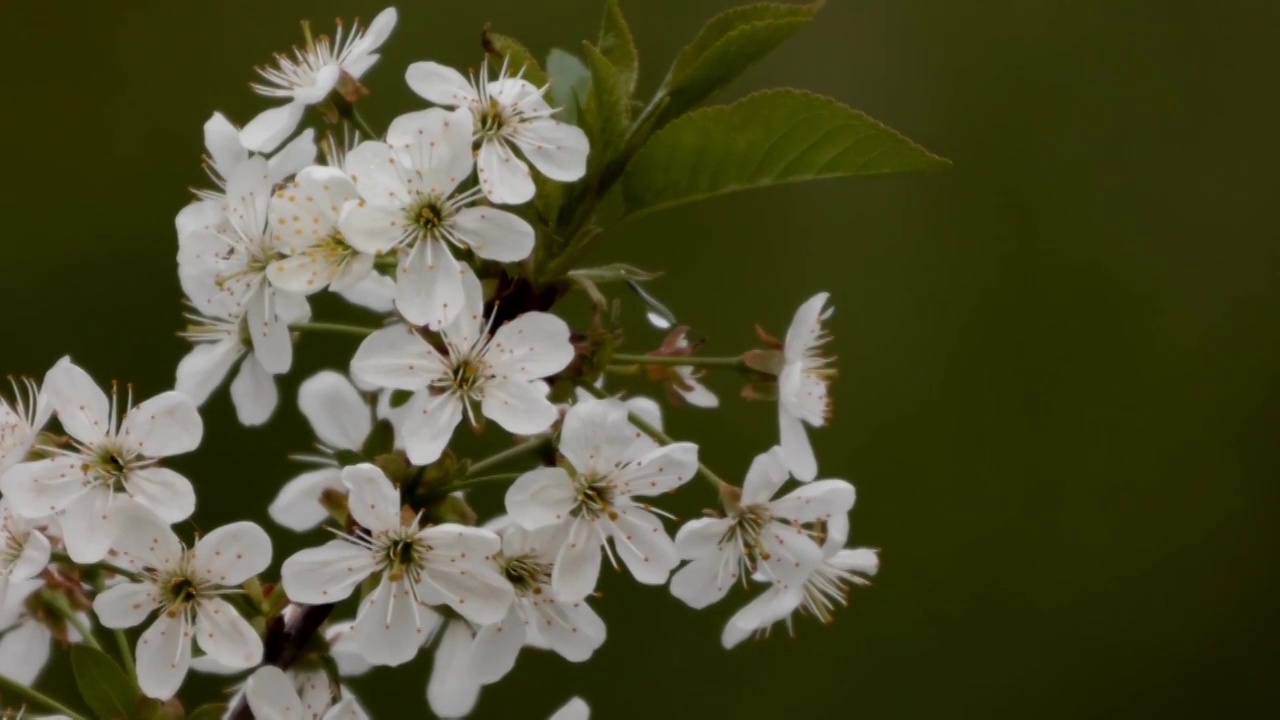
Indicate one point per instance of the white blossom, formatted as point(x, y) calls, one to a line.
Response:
point(24, 639)
point(272, 695)
point(419, 567)
point(592, 499)
point(185, 584)
point(108, 456)
point(21, 422)
point(760, 534)
point(817, 592)
point(802, 386)
point(305, 216)
point(410, 203)
point(498, 370)
point(342, 420)
point(310, 75)
point(509, 113)
point(24, 550)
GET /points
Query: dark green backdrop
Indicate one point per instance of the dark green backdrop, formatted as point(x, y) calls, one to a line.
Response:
point(1058, 390)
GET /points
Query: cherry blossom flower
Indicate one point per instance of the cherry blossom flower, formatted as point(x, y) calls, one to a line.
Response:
point(25, 639)
point(342, 420)
point(498, 370)
point(21, 422)
point(317, 255)
point(24, 550)
point(108, 456)
point(410, 203)
point(818, 592)
point(272, 695)
point(445, 564)
point(185, 584)
point(802, 386)
point(760, 534)
point(310, 75)
point(509, 113)
point(591, 500)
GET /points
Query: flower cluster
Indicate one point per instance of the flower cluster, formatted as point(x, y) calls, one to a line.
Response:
point(431, 230)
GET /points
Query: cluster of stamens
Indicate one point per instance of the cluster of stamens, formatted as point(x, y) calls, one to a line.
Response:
point(526, 574)
point(595, 497)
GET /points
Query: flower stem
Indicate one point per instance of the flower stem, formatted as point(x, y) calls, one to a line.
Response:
point(59, 603)
point(472, 482)
point(36, 697)
point(692, 361)
point(335, 328)
point(511, 453)
point(716, 481)
point(363, 126)
point(121, 640)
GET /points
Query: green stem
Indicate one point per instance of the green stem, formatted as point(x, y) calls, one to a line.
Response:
point(511, 453)
point(472, 482)
point(716, 481)
point(336, 328)
point(730, 362)
point(36, 697)
point(121, 640)
point(59, 557)
point(363, 126)
point(59, 603)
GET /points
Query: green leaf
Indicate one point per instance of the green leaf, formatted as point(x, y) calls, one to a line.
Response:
point(570, 84)
point(208, 712)
point(727, 45)
point(607, 115)
point(617, 45)
point(105, 687)
point(769, 138)
point(517, 56)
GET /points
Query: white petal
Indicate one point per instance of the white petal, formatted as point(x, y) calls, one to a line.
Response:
point(597, 435)
point(659, 471)
point(307, 272)
point(321, 85)
point(646, 408)
point(521, 407)
point(82, 407)
point(534, 345)
point(222, 141)
point(806, 327)
point(859, 560)
point(429, 422)
point(24, 651)
point(577, 566)
point(292, 158)
point(496, 647)
point(643, 545)
point(226, 636)
point(338, 414)
point(373, 227)
point(693, 391)
point(33, 558)
point(270, 695)
point(88, 529)
point(271, 127)
point(146, 540)
point(575, 709)
point(541, 497)
point(504, 178)
point(376, 34)
point(232, 554)
point(816, 501)
point(126, 605)
point(557, 149)
point(374, 291)
point(347, 708)
point(453, 689)
point(788, 553)
point(390, 626)
point(767, 473)
point(429, 285)
point(460, 572)
point(571, 629)
point(354, 270)
point(270, 335)
point(163, 656)
point(701, 537)
point(167, 424)
point(43, 487)
point(704, 581)
point(397, 357)
point(326, 574)
point(377, 171)
point(163, 491)
point(437, 143)
point(373, 501)
point(297, 506)
point(254, 393)
point(763, 610)
point(803, 394)
point(493, 234)
point(202, 370)
point(439, 84)
point(796, 449)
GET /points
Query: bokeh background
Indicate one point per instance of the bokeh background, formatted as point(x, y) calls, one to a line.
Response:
point(1058, 390)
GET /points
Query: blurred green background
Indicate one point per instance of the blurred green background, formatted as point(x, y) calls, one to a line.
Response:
point(1058, 390)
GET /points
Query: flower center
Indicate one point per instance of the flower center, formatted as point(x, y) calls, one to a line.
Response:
point(180, 591)
point(429, 214)
point(526, 574)
point(595, 497)
point(109, 467)
point(748, 525)
point(491, 118)
point(467, 375)
point(403, 554)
